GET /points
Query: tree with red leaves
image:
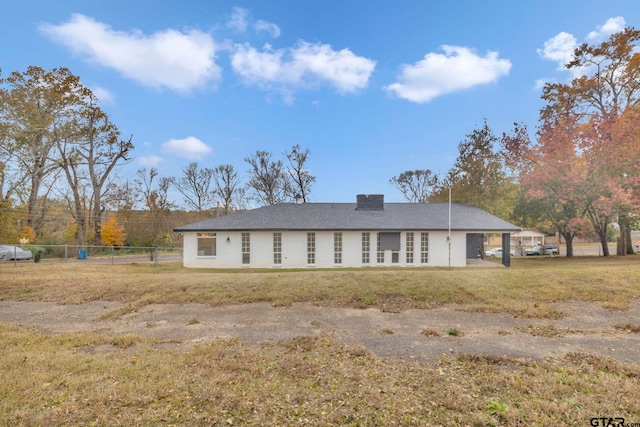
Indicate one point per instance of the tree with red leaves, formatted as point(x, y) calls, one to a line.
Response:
point(585, 163)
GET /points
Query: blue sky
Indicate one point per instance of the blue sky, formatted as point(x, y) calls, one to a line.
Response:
point(372, 88)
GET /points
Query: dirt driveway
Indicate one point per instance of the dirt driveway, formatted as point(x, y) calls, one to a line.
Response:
point(413, 335)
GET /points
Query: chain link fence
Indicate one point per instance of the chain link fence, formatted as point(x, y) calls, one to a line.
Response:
point(148, 255)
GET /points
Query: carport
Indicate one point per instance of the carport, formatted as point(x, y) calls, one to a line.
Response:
point(474, 247)
point(527, 237)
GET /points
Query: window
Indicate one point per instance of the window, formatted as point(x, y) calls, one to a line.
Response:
point(424, 248)
point(366, 247)
point(380, 259)
point(409, 248)
point(337, 248)
point(277, 248)
point(311, 248)
point(246, 248)
point(206, 244)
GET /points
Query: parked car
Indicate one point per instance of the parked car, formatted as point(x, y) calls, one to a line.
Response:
point(542, 250)
point(14, 253)
point(497, 252)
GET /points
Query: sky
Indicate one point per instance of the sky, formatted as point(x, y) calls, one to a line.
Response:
point(372, 88)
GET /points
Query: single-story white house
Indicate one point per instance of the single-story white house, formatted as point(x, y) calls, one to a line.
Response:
point(367, 233)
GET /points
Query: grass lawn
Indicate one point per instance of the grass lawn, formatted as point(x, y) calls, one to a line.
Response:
point(52, 379)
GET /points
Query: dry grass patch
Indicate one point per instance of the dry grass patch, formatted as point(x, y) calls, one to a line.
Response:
point(628, 327)
point(66, 379)
point(528, 289)
point(590, 362)
point(427, 332)
point(536, 310)
point(303, 381)
point(547, 331)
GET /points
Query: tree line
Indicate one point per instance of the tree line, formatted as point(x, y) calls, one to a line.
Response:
point(59, 151)
point(576, 175)
point(579, 173)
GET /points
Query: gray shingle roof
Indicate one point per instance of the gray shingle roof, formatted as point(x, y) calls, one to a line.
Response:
point(345, 217)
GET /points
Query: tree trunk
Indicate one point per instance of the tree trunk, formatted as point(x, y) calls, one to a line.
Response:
point(97, 227)
point(82, 236)
point(80, 216)
point(600, 224)
point(621, 243)
point(96, 217)
point(604, 243)
point(627, 235)
point(36, 181)
point(625, 245)
point(621, 249)
point(568, 238)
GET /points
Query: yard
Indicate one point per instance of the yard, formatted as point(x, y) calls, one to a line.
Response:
point(547, 341)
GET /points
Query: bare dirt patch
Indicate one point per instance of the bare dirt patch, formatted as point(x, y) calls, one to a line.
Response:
point(584, 328)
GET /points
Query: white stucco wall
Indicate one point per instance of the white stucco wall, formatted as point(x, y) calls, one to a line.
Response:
point(294, 250)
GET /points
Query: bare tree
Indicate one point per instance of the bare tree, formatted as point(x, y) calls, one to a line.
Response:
point(417, 185)
point(228, 188)
point(154, 192)
point(90, 155)
point(300, 180)
point(267, 180)
point(120, 197)
point(195, 186)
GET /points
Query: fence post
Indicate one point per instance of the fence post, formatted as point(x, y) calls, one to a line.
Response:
point(111, 255)
point(66, 247)
point(157, 254)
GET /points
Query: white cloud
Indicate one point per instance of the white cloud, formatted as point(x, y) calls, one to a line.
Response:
point(149, 161)
point(613, 25)
point(304, 66)
point(176, 60)
point(559, 48)
point(457, 69)
point(187, 148)
point(268, 27)
point(238, 20)
point(103, 95)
